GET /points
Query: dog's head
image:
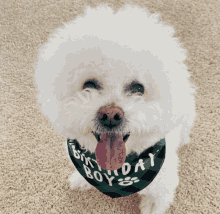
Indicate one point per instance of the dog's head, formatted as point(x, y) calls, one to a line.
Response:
point(124, 87)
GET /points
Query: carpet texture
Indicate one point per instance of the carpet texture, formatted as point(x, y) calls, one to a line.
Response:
point(34, 167)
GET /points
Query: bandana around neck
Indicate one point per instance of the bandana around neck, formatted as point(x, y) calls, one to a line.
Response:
point(137, 172)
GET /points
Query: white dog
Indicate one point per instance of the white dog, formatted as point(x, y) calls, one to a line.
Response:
point(116, 86)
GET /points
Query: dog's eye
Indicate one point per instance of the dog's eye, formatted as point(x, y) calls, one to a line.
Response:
point(136, 88)
point(91, 84)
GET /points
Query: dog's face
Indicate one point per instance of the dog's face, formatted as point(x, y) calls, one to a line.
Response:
point(125, 93)
point(135, 90)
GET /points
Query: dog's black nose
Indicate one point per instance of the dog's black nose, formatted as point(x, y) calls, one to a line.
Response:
point(110, 116)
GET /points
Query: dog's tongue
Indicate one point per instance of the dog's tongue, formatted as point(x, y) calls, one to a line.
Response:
point(110, 151)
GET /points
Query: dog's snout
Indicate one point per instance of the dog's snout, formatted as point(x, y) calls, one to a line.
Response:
point(110, 116)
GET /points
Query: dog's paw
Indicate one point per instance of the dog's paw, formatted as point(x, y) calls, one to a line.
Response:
point(77, 181)
point(150, 205)
point(147, 205)
point(81, 185)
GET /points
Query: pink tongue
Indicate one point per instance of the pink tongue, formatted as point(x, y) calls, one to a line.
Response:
point(110, 152)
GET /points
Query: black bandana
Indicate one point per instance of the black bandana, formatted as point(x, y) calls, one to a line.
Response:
point(137, 172)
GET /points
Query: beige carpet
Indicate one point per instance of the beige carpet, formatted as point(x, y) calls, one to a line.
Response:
point(34, 168)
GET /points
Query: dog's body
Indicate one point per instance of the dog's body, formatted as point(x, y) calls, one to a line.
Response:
point(119, 74)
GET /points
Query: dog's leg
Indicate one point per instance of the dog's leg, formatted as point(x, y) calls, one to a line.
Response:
point(77, 181)
point(159, 201)
point(150, 205)
point(158, 196)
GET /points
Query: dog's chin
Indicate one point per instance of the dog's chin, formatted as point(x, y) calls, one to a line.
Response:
point(99, 136)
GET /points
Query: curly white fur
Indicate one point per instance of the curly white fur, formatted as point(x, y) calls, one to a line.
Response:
point(116, 48)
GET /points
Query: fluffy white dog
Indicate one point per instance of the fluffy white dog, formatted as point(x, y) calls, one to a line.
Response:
point(116, 86)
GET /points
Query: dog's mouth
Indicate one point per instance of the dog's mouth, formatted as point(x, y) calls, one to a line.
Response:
point(98, 136)
point(110, 150)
